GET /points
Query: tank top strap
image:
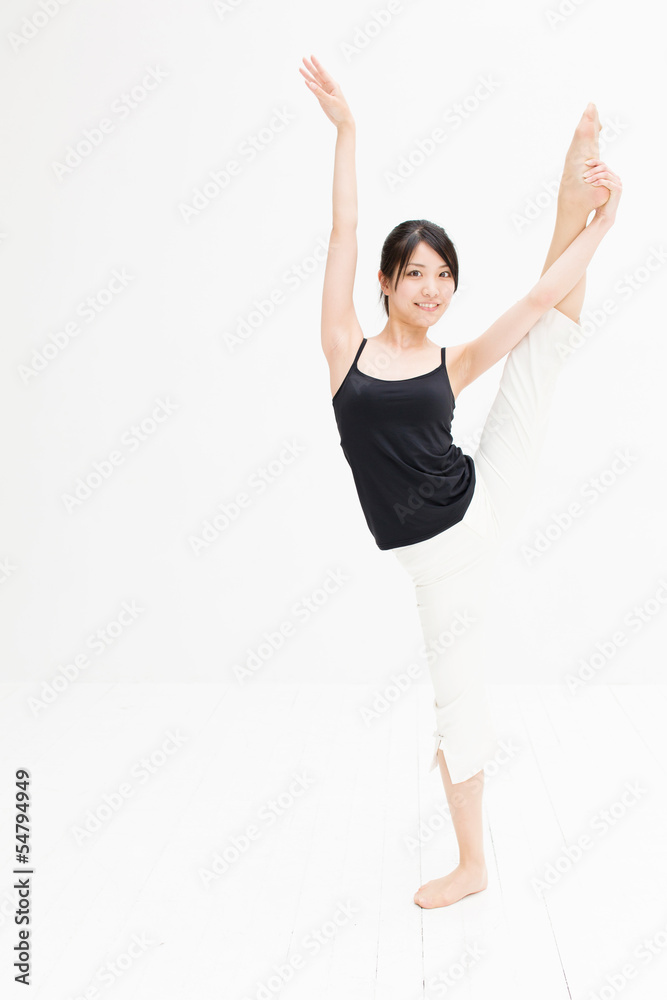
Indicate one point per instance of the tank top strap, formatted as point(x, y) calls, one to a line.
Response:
point(361, 347)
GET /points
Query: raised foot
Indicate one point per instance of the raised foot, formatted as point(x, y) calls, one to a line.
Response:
point(462, 881)
point(574, 193)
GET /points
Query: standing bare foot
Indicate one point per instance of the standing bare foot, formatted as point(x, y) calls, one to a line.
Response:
point(574, 193)
point(464, 880)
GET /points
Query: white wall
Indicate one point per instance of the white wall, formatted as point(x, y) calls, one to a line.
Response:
point(162, 337)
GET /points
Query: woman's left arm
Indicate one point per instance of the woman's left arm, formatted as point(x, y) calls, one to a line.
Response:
point(480, 354)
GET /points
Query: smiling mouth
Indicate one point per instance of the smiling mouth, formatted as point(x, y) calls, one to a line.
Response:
point(428, 306)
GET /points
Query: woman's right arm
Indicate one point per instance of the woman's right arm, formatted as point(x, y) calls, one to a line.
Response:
point(504, 334)
point(340, 328)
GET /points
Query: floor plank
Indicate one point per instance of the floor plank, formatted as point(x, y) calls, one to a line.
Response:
point(347, 822)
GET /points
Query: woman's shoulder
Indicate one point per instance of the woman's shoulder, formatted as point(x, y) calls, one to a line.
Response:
point(341, 354)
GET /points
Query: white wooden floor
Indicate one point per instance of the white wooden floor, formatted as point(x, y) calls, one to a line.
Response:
point(318, 904)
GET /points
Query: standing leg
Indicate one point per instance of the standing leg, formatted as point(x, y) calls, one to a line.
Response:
point(452, 574)
point(470, 875)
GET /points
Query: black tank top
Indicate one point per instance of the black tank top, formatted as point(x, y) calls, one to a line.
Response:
point(412, 480)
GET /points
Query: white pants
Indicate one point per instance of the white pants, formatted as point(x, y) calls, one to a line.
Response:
point(452, 570)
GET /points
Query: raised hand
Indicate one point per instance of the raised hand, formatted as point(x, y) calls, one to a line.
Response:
point(327, 91)
point(599, 174)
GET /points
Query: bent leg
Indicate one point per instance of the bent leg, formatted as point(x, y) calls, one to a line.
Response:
point(576, 200)
point(508, 452)
point(569, 223)
point(506, 459)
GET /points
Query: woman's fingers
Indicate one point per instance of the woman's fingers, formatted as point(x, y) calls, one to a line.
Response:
point(327, 91)
point(597, 177)
point(312, 70)
point(594, 165)
point(320, 94)
point(322, 72)
point(309, 76)
point(328, 102)
point(601, 174)
point(608, 210)
point(320, 75)
point(314, 86)
point(607, 177)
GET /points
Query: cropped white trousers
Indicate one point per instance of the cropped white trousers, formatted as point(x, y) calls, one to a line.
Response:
point(452, 571)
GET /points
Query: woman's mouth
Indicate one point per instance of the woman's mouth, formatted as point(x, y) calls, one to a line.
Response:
point(428, 306)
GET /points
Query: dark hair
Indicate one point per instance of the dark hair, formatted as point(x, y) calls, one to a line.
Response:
point(402, 240)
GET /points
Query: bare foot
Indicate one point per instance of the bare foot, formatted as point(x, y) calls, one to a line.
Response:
point(461, 882)
point(574, 193)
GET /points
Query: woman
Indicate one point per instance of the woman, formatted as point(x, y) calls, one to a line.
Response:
point(442, 513)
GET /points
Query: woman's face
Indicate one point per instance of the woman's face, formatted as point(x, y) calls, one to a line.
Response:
point(424, 291)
